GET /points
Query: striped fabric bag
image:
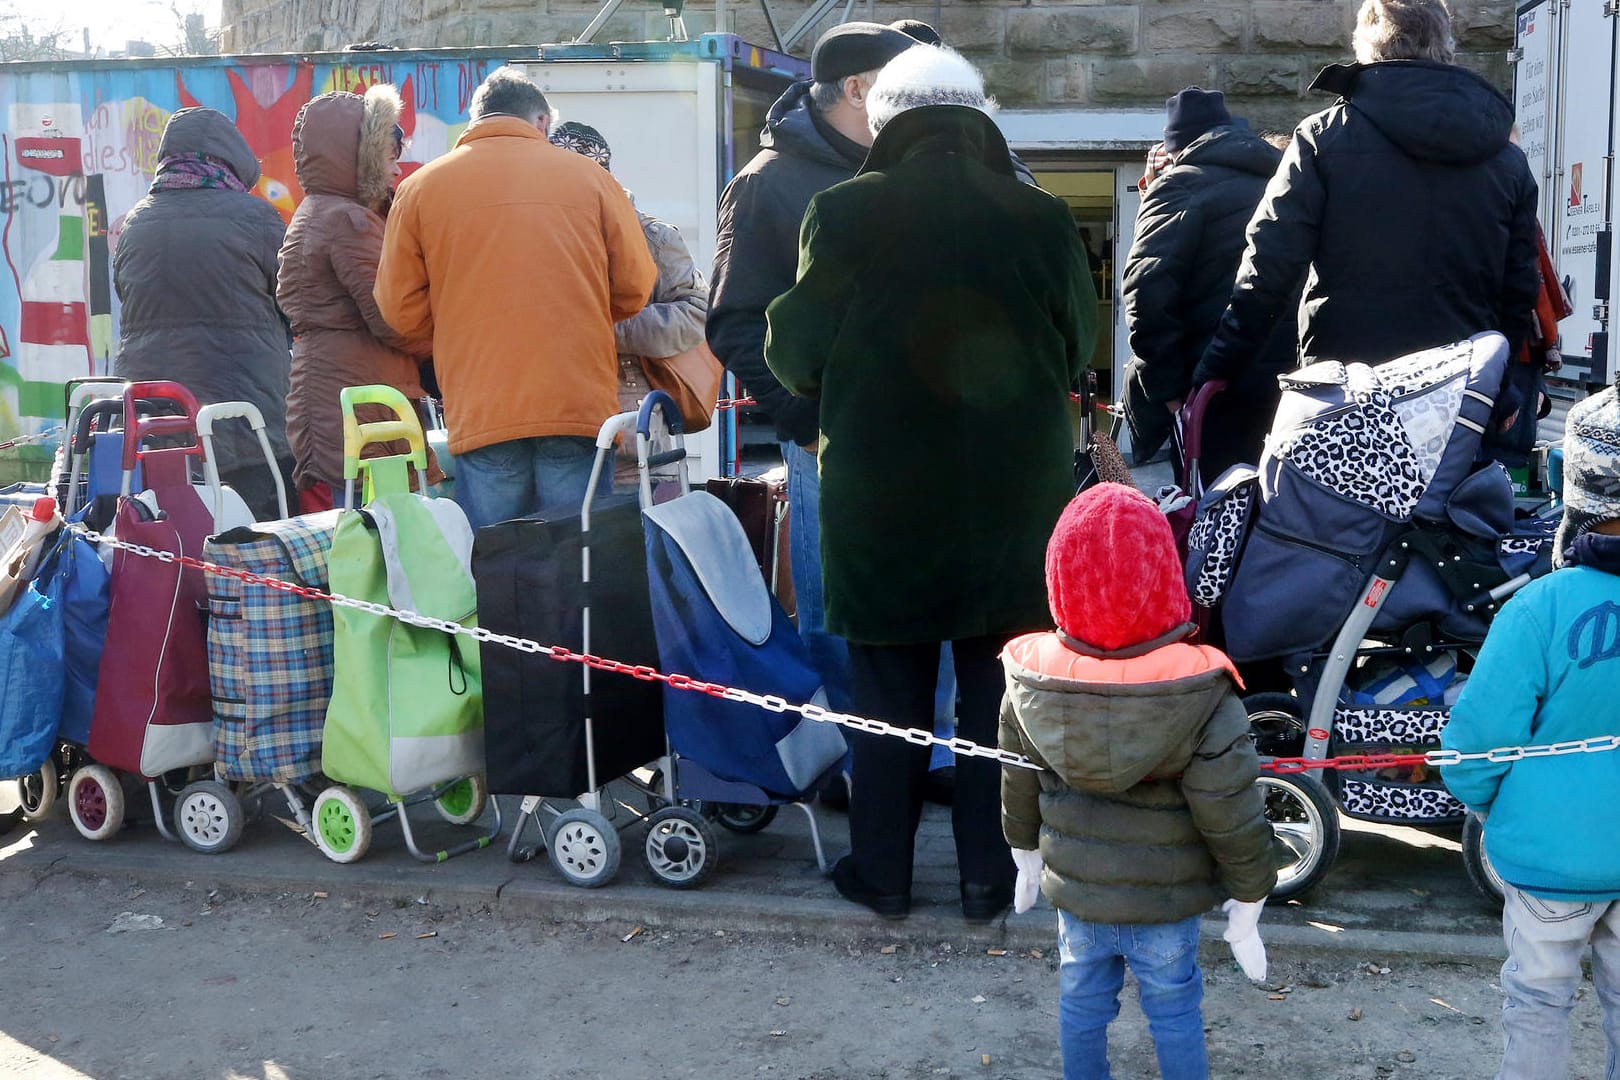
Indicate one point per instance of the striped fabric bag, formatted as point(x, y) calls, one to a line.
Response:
point(269, 651)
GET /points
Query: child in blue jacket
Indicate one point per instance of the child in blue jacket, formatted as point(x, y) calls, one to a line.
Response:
point(1550, 672)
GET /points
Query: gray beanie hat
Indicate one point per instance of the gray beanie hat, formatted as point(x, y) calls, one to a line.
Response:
point(1591, 467)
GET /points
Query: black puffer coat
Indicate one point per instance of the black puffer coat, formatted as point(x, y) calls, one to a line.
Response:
point(756, 253)
point(1178, 279)
point(196, 272)
point(1412, 214)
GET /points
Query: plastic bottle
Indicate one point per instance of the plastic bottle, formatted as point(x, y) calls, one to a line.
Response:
point(22, 537)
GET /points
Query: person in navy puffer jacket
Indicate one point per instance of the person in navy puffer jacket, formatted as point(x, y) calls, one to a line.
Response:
point(1547, 674)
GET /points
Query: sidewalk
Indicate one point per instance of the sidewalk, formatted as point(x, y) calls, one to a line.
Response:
point(1393, 891)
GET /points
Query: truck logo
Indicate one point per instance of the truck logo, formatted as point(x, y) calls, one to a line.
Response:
point(1575, 199)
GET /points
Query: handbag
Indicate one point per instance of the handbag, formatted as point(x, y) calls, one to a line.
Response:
point(692, 378)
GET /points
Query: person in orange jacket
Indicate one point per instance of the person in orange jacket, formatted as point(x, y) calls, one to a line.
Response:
point(516, 258)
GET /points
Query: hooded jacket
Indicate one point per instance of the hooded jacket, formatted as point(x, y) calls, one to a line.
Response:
point(1177, 281)
point(195, 272)
point(515, 258)
point(343, 151)
point(942, 312)
point(757, 246)
point(1407, 213)
point(1547, 674)
point(1146, 810)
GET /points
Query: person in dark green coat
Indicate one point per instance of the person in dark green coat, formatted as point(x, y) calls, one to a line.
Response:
point(942, 313)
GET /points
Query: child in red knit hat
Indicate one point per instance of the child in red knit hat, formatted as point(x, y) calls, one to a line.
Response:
point(1146, 813)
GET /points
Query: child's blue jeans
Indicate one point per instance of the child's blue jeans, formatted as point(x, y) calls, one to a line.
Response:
point(1164, 958)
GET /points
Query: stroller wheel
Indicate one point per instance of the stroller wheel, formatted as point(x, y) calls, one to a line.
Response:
point(1306, 822)
point(1276, 724)
point(743, 817)
point(680, 848)
point(584, 847)
point(209, 817)
point(463, 802)
point(342, 825)
point(96, 802)
point(39, 791)
point(1477, 863)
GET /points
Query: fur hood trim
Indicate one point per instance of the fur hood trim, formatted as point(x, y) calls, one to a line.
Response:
point(374, 163)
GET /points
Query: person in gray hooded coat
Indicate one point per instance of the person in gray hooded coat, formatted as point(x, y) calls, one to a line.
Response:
point(195, 271)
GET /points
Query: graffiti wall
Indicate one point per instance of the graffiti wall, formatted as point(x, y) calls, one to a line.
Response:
point(80, 147)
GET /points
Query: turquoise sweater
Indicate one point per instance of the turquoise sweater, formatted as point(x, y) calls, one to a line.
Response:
point(1549, 672)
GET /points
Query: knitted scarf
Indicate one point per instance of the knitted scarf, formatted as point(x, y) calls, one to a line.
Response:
point(180, 172)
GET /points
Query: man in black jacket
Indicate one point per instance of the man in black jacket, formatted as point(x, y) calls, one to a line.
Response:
point(815, 136)
point(1404, 208)
point(1179, 275)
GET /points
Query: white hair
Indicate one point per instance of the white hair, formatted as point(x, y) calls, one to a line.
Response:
point(1404, 30)
point(927, 76)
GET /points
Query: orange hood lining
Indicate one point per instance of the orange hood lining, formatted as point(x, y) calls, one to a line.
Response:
point(1045, 654)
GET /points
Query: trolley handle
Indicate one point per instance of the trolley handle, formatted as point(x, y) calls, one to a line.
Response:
point(658, 400)
point(1190, 426)
point(207, 417)
point(357, 436)
point(77, 392)
point(140, 428)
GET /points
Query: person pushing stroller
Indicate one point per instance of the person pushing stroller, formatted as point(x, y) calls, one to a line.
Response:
point(1146, 813)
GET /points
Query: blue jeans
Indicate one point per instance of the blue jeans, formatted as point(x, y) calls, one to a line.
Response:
point(944, 708)
point(1545, 940)
point(828, 652)
point(1164, 958)
point(543, 475)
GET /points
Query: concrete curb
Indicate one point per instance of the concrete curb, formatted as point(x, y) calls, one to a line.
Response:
point(521, 895)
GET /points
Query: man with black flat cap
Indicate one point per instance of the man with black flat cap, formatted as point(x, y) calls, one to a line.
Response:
point(815, 136)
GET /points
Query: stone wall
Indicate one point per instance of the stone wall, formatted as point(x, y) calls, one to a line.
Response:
point(1053, 53)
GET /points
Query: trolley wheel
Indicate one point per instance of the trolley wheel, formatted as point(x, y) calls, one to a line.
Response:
point(584, 847)
point(1477, 863)
point(96, 802)
point(463, 802)
point(1276, 724)
point(39, 791)
point(1305, 821)
point(209, 817)
point(680, 848)
point(744, 817)
point(342, 825)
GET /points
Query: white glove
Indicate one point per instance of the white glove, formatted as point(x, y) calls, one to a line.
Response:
point(1243, 934)
point(1171, 498)
point(1028, 886)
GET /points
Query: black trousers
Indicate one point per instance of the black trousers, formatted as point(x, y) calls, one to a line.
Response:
point(895, 683)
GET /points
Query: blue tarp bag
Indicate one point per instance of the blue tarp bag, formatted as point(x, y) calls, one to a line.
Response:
point(30, 682)
point(715, 620)
point(74, 578)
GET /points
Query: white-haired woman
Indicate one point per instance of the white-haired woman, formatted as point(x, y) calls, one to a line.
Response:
point(1403, 208)
point(942, 311)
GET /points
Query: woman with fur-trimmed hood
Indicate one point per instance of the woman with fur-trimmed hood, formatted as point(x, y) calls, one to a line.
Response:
point(346, 149)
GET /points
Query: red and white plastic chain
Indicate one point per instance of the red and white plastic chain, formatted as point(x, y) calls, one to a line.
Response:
point(37, 437)
point(774, 703)
point(770, 702)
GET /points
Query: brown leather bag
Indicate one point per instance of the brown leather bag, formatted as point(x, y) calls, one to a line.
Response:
point(692, 378)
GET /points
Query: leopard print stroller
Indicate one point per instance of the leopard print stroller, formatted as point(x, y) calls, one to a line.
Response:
point(1366, 556)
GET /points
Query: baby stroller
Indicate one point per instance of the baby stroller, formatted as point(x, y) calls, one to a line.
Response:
point(1366, 556)
point(151, 715)
point(405, 716)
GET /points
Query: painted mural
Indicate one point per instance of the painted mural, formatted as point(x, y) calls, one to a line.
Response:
point(79, 148)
